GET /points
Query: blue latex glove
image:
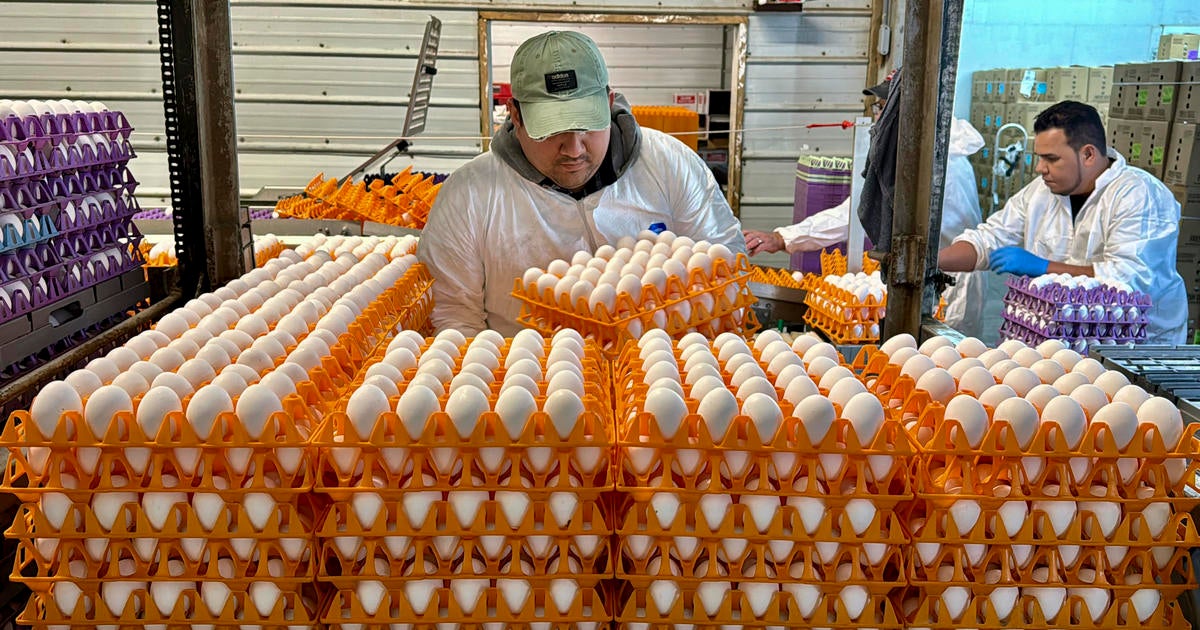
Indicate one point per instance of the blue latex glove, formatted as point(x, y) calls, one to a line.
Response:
point(1018, 262)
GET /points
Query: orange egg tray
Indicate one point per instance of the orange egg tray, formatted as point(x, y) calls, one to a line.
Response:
point(930, 612)
point(638, 517)
point(541, 459)
point(881, 566)
point(414, 295)
point(452, 558)
point(405, 201)
point(637, 607)
point(834, 262)
point(879, 470)
point(774, 276)
point(284, 521)
point(261, 256)
point(1171, 579)
point(589, 604)
point(727, 288)
point(294, 608)
point(228, 453)
point(588, 518)
point(1097, 442)
point(1131, 531)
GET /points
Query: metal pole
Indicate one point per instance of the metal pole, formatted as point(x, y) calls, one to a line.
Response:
point(218, 139)
point(930, 61)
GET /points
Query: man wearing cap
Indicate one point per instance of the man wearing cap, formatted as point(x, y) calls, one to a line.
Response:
point(569, 170)
point(960, 211)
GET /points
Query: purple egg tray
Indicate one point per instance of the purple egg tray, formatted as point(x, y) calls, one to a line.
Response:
point(1077, 316)
point(30, 289)
point(164, 214)
point(35, 193)
point(33, 165)
point(47, 129)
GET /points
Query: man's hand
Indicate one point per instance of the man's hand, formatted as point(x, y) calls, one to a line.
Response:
point(1018, 262)
point(762, 242)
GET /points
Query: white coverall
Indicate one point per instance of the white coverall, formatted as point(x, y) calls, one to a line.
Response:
point(1127, 230)
point(489, 224)
point(960, 210)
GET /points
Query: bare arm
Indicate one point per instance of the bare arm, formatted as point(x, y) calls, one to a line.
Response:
point(960, 256)
point(1074, 270)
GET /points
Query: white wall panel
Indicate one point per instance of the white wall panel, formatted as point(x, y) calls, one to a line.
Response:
point(321, 85)
point(646, 63)
point(803, 68)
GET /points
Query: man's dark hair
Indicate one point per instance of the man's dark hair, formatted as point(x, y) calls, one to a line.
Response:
point(1079, 122)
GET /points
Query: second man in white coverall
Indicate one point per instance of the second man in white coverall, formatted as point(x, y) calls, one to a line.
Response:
point(1089, 214)
point(960, 211)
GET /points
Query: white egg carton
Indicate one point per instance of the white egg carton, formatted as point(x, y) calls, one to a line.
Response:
point(993, 607)
point(509, 602)
point(757, 604)
point(276, 604)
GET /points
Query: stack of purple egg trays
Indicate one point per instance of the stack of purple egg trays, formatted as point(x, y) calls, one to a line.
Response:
point(163, 214)
point(65, 183)
point(1076, 316)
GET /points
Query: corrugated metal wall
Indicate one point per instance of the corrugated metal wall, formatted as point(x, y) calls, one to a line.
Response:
point(803, 68)
point(320, 86)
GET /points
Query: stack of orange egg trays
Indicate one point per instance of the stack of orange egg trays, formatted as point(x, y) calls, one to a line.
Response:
point(696, 300)
point(1048, 536)
point(128, 529)
point(189, 500)
point(723, 527)
point(455, 505)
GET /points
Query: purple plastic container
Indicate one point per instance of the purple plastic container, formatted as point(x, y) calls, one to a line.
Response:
point(821, 183)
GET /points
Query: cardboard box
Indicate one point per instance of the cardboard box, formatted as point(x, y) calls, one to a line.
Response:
point(1025, 114)
point(1189, 233)
point(1187, 96)
point(1121, 135)
point(1187, 263)
point(1100, 81)
point(1123, 97)
point(980, 109)
point(1067, 84)
point(979, 83)
point(695, 101)
point(1157, 83)
point(1189, 200)
point(1102, 109)
point(993, 87)
point(1178, 45)
point(1183, 156)
point(1032, 79)
point(1149, 150)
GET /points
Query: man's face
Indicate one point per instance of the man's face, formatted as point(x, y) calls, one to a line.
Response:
point(569, 158)
point(877, 108)
point(1063, 169)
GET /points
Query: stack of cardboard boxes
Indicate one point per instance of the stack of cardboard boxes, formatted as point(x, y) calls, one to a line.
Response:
point(1018, 95)
point(1156, 112)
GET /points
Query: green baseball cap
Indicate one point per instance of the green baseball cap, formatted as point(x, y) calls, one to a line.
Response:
point(561, 81)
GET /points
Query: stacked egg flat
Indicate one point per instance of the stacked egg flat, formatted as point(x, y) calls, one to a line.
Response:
point(1079, 310)
point(467, 479)
point(1050, 490)
point(170, 480)
point(847, 307)
point(66, 200)
point(162, 254)
point(655, 281)
point(760, 486)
